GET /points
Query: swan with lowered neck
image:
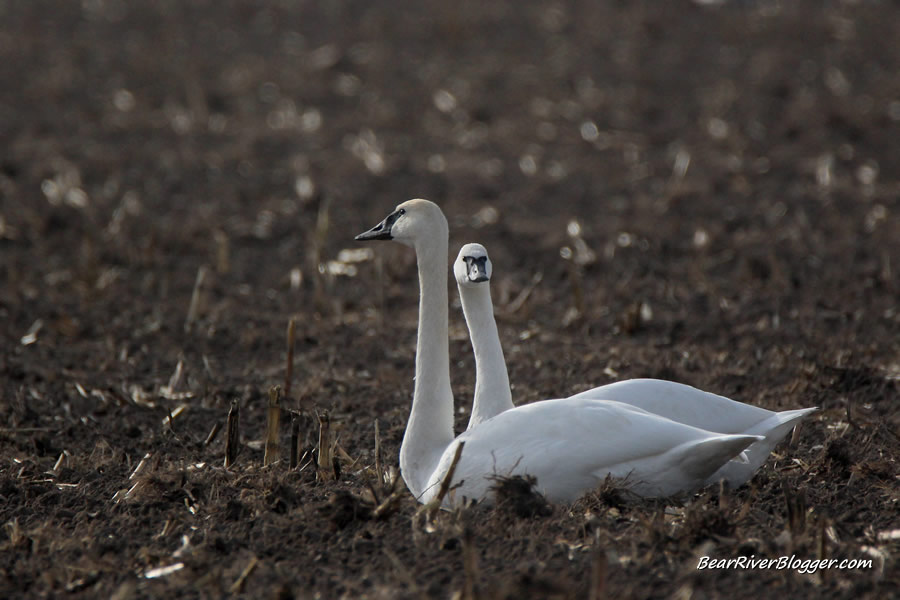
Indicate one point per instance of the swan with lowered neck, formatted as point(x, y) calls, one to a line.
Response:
point(569, 445)
point(678, 402)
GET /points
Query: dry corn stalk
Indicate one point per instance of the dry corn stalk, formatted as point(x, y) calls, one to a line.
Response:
point(233, 436)
point(289, 366)
point(196, 306)
point(325, 469)
point(295, 441)
point(273, 449)
point(435, 504)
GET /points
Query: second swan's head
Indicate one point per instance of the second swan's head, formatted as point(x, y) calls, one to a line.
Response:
point(473, 266)
point(411, 222)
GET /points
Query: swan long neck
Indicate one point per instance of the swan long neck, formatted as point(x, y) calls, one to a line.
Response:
point(492, 393)
point(430, 427)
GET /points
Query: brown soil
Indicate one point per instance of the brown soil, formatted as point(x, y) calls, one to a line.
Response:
point(733, 168)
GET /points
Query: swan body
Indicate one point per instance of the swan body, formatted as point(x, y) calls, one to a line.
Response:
point(712, 412)
point(568, 445)
point(675, 401)
point(571, 445)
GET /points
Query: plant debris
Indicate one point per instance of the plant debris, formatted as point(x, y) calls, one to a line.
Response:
point(517, 495)
point(699, 191)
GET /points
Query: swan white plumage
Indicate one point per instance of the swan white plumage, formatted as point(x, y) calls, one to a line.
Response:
point(569, 445)
point(676, 401)
point(472, 270)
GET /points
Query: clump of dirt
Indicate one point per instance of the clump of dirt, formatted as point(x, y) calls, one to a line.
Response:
point(530, 585)
point(838, 454)
point(517, 495)
point(344, 508)
point(708, 521)
point(282, 498)
point(611, 493)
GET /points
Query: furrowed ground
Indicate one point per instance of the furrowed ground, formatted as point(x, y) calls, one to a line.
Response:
point(179, 180)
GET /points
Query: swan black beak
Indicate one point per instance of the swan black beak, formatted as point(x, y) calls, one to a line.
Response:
point(476, 269)
point(382, 231)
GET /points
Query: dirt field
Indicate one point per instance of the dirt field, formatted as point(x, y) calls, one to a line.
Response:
point(733, 174)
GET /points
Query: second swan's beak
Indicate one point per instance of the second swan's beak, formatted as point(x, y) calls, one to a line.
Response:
point(476, 269)
point(382, 231)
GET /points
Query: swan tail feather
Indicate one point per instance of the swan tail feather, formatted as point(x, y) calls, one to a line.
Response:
point(773, 430)
point(700, 459)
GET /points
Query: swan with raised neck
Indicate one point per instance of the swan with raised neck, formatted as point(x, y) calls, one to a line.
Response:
point(676, 401)
point(473, 270)
point(421, 225)
point(570, 446)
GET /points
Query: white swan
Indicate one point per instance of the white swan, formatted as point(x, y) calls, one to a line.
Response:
point(569, 445)
point(472, 270)
point(675, 401)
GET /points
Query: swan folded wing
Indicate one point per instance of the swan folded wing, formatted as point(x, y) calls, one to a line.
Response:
point(683, 403)
point(571, 445)
point(774, 429)
point(779, 424)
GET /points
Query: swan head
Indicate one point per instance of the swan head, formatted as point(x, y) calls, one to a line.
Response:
point(411, 222)
point(473, 266)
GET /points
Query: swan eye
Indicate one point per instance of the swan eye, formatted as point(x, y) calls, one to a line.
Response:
point(401, 212)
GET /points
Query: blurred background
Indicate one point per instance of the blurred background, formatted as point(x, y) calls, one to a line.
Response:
point(703, 191)
point(648, 163)
point(150, 134)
